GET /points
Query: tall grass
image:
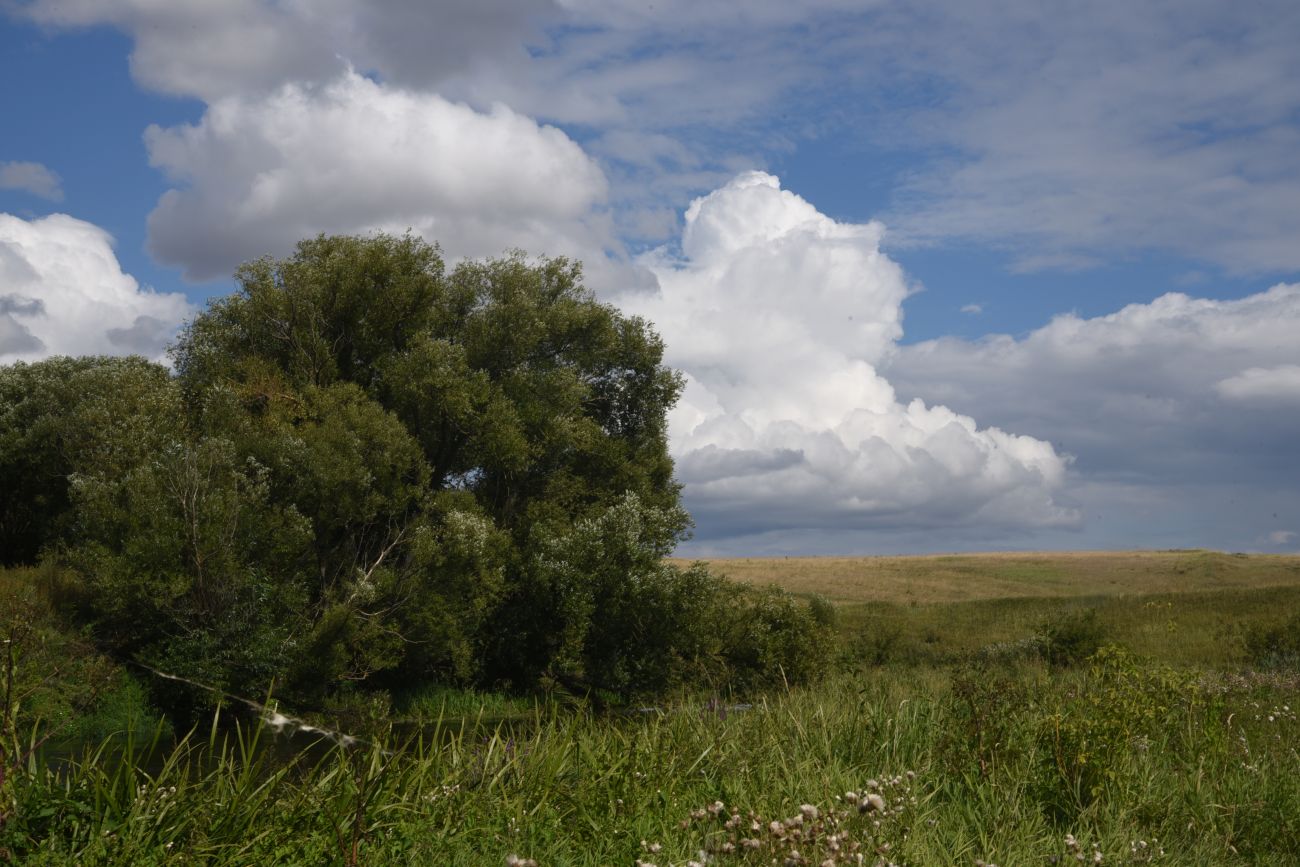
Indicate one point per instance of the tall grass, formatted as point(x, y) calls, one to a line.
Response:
point(1130, 758)
point(947, 739)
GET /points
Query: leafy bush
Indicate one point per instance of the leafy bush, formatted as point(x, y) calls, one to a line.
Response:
point(987, 706)
point(1092, 734)
point(770, 638)
point(1072, 637)
point(823, 611)
point(1274, 646)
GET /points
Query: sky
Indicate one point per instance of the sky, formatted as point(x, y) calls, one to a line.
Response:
point(941, 275)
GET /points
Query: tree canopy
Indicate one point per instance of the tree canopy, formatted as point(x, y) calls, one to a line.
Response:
point(369, 470)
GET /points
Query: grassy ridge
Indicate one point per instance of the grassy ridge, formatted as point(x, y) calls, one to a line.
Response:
point(1202, 629)
point(1186, 608)
point(943, 578)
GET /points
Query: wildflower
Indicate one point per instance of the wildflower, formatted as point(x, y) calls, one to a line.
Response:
point(516, 861)
point(809, 812)
point(872, 803)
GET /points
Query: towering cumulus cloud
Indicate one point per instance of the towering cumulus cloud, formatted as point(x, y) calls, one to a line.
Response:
point(62, 292)
point(779, 316)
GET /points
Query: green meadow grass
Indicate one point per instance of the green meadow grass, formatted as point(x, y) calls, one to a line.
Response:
point(1167, 748)
point(1199, 628)
point(1145, 765)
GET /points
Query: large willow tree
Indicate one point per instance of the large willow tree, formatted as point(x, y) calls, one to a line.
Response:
point(369, 469)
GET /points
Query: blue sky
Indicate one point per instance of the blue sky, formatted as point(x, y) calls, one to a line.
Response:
point(981, 206)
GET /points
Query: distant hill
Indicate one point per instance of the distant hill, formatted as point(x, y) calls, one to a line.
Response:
point(967, 577)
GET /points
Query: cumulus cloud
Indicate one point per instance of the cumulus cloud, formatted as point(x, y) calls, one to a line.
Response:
point(64, 293)
point(1058, 134)
point(1180, 388)
point(33, 178)
point(217, 48)
point(203, 48)
point(779, 316)
point(257, 174)
point(1281, 383)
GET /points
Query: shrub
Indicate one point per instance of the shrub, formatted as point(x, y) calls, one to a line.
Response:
point(1091, 736)
point(1071, 637)
point(987, 705)
point(823, 611)
point(771, 639)
point(1275, 646)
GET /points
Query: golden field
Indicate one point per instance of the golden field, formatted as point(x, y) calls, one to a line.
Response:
point(944, 578)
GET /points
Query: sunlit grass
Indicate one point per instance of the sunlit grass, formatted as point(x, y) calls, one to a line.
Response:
point(971, 577)
point(1174, 752)
point(1209, 776)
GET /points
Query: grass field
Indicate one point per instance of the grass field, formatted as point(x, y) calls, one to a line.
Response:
point(1187, 608)
point(1179, 747)
point(969, 577)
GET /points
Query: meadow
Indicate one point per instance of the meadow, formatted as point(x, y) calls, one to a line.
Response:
point(973, 577)
point(983, 709)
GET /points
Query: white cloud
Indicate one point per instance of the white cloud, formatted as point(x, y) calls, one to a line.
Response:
point(257, 174)
point(1059, 134)
point(1178, 392)
point(972, 309)
point(203, 48)
point(778, 316)
point(1281, 383)
point(1281, 537)
point(1063, 133)
point(33, 178)
point(62, 292)
point(212, 49)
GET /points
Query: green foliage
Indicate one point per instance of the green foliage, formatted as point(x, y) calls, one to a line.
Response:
point(771, 638)
point(65, 416)
point(124, 707)
point(370, 471)
point(1203, 782)
point(823, 611)
point(1070, 637)
point(1090, 739)
point(1274, 645)
point(987, 708)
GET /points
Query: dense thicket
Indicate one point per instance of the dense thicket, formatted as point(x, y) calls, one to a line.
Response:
point(368, 469)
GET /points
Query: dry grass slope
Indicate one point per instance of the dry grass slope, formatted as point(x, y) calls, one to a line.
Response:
point(973, 577)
